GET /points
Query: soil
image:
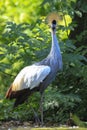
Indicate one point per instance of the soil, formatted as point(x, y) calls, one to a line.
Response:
point(7, 125)
point(19, 125)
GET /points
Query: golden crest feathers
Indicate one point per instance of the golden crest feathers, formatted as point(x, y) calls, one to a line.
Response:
point(52, 16)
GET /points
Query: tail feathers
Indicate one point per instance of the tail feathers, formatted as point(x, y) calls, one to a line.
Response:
point(9, 93)
point(20, 101)
point(21, 96)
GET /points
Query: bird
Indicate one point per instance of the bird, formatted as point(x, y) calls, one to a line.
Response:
point(38, 76)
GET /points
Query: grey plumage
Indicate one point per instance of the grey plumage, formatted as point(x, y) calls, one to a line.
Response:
point(52, 61)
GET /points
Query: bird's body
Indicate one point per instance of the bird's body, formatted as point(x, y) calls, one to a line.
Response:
point(37, 76)
point(30, 77)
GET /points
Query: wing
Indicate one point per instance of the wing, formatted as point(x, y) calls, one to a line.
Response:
point(30, 77)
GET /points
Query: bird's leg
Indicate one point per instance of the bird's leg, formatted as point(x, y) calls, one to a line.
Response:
point(41, 108)
point(37, 120)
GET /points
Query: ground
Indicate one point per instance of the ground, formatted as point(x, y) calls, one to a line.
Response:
point(17, 125)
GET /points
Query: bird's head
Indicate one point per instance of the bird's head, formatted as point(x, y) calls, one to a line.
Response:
point(53, 25)
point(52, 20)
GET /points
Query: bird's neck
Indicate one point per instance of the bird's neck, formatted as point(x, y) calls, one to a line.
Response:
point(55, 45)
point(55, 53)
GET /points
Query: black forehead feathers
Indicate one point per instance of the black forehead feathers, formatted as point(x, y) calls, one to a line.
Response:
point(54, 22)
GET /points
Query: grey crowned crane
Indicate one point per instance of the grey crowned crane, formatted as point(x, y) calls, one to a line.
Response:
point(38, 76)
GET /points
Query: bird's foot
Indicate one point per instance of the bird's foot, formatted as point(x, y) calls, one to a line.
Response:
point(41, 124)
point(37, 121)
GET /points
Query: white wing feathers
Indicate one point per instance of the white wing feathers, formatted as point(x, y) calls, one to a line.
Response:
point(30, 77)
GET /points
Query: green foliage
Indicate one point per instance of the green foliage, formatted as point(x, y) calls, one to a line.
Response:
point(59, 104)
point(78, 121)
point(25, 39)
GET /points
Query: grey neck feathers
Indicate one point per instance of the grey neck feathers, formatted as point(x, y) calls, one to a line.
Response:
point(55, 52)
point(55, 44)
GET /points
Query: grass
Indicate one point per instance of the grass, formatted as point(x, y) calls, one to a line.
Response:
point(59, 129)
point(48, 128)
